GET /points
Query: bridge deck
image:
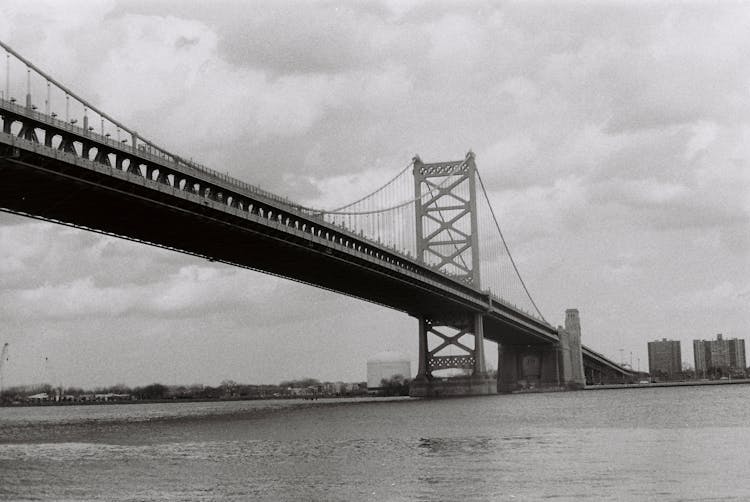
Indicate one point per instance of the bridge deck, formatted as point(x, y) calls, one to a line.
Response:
point(265, 232)
point(47, 183)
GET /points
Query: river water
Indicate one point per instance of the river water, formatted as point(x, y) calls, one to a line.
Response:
point(687, 443)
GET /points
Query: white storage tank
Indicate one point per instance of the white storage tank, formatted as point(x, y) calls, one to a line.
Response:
point(386, 365)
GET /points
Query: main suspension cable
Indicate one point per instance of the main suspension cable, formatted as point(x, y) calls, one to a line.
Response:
point(338, 209)
point(507, 250)
point(334, 212)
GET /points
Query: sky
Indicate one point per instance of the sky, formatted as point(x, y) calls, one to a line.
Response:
point(613, 137)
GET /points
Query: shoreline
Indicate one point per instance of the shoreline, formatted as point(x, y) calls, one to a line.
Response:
point(46, 404)
point(688, 383)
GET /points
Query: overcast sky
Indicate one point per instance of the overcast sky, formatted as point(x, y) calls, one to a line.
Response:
point(614, 138)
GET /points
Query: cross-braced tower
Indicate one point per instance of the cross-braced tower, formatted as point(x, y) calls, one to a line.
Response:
point(447, 239)
point(446, 217)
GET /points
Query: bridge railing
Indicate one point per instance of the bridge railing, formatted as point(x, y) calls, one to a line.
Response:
point(142, 148)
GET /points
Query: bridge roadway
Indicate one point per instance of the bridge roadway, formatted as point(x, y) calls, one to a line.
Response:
point(52, 170)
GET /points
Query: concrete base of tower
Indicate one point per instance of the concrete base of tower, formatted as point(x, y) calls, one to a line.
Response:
point(529, 368)
point(453, 386)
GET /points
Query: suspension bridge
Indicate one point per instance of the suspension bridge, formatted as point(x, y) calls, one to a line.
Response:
point(426, 243)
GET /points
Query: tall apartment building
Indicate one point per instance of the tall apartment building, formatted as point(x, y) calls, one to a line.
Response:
point(719, 356)
point(664, 358)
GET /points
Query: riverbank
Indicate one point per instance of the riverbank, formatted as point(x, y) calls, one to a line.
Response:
point(42, 404)
point(687, 383)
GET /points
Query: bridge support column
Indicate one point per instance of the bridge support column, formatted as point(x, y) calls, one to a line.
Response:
point(474, 381)
point(529, 368)
point(571, 336)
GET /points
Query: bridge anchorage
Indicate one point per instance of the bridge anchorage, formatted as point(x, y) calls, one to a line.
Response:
point(429, 246)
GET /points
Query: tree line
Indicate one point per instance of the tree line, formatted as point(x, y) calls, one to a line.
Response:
point(227, 389)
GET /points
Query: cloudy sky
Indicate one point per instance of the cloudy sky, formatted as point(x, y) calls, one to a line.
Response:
point(614, 138)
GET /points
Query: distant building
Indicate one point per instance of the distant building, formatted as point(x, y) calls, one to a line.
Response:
point(385, 366)
point(719, 357)
point(664, 358)
point(333, 388)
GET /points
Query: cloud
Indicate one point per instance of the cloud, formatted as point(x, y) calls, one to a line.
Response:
point(189, 292)
point(36, 253)
point(81, 276)
point(726, 296)
point(613, 139)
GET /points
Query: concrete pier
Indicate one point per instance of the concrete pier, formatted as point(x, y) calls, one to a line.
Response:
point(544, 367)
point(479, 382)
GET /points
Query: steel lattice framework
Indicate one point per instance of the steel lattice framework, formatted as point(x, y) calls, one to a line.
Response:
point(447, 238)
point(446, 217)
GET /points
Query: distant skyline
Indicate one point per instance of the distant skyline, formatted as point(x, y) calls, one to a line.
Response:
point(614, 139)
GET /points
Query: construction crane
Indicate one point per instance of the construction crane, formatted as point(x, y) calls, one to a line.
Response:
point(3, 358)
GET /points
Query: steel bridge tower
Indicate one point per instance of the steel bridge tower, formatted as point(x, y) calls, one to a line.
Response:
point(447, 239)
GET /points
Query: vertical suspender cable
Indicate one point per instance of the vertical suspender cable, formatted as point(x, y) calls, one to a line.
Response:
point(7, 75)
point(505, 245)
